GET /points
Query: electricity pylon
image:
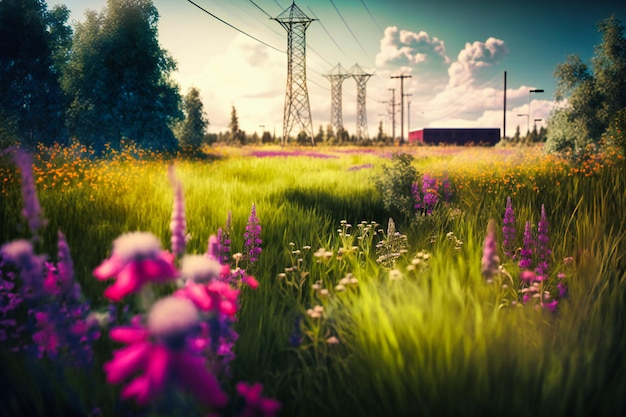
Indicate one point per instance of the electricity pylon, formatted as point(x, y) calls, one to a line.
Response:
point(361, 78)
point(336, 77)
point(297, 108)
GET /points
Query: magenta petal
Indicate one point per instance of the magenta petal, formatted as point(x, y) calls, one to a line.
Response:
point(125, 362)
point(228, 307)
point(128, 335)
point(108, 268)
point(158, 367)
point(128, 281)
point(198, 295)
point(193, 375)
point(138, 388)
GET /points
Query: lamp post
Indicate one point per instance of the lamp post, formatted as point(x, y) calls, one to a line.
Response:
point(528, 116)
point(527, 121)
point(537, 120)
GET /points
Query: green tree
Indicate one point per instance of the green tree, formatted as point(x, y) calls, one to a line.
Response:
point(517, 138)
point(31, 100)
point(192, 130)
point(118, 78)
point(319, 138)
point(233, 127)
point(594, 95)
point(381, 137)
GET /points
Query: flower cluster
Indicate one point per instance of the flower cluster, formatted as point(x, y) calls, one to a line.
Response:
point(59, 322)
point(252, 239)
point(508, 229)
point(186, 339)
point(430, 192)
point(392, 247)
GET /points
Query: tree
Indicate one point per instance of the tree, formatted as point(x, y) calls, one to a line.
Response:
point(233, 126)
point(517, 138)
point(319, 138)
point(192, 130)
point(31, 100)
point(594, 95)
point(381, 137)
point(118, 78)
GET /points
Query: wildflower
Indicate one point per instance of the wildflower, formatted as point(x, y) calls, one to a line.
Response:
point(543, 252)
point(490, 260)
point(252, 237)
point(395, 275)
point(201, 269)
point(178, 223)
point(322, 254)
point(430, 190)
point(20, 254)
point(213, 248)
point(508, 228)
point(255, 405)
point(527, 251)
point(332, 340)
point(315, 312)
point(32, 210)
point(223, 237)
point(528, 276)
point(160, 353)
point(216, 297)
point(136, 259)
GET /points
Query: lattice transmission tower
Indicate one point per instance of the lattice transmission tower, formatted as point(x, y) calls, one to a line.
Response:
point(297, 108)
point(361, 78)
point(336, 77)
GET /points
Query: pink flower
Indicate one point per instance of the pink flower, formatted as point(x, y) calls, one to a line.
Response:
point(216, 297)
point(251, 282)
point(137, 259)
point(528, 276)
point(46, 338)
point(160, 354)
point(255, 404)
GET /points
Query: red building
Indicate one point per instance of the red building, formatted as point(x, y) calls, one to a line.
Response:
point(453, 136)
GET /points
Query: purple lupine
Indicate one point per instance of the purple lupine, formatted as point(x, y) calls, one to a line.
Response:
point(430, 191)
point(490, 260)
point(508, 229)
point(178, 223)
point(21, 255)
point(527, 251)
point(415, 190)
point(543, 252)
point(252, 238)
point(65, 264)
point(223, 238)
point(32, 210)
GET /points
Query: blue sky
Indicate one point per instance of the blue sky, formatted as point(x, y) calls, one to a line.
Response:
point(455, 51)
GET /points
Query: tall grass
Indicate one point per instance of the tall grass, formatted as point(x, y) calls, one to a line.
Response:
point(436, 342)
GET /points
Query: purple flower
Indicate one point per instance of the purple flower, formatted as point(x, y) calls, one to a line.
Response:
point(527, 251)
point(256, 405)
point(543, 252)
point(252, 238)
point(21, 255)
point(490, 260)
point(223, 238)
point(508, 229)
point(430, 191)
point(32, 210)
point(447, 189)
point(178, 223)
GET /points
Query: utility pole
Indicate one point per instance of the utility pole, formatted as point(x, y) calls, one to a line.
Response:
point(336, 77)
point(408, 114)
point(393, 114)
point(361, 78)
point(504, 120)
point(402, 77)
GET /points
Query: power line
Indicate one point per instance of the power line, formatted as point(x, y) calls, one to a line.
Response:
point(350, 30)
point(258, 7)
point(328, 33)
point(237, 29)
point(371, 15)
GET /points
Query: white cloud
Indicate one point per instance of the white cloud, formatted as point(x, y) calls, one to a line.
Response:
point(406, 48)
point(475, 57)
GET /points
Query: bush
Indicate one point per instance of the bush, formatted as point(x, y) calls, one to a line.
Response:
point(615, 135)
point(395, 186)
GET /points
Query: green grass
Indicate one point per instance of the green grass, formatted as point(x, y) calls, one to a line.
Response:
point(436, 342)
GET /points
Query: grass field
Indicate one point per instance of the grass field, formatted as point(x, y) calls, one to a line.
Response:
point(426, 334)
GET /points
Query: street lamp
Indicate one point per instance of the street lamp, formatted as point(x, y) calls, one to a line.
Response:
point(527, 121)
point(537, 120)
point(528, 116)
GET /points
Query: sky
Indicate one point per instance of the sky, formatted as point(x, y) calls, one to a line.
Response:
point(455, 51)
